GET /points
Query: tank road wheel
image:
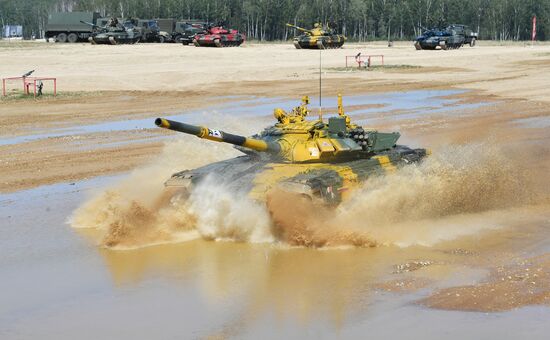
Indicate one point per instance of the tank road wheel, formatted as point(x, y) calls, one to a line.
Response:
point(61, 38)
point(72, 38)
point(217, 43)
point(112, 40)
point(320, 45)
point(473, 42)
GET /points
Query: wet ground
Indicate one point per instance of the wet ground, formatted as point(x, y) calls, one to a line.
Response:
point(396, 105)
point(57, 283)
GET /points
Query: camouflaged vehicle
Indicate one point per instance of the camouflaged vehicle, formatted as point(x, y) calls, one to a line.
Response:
point(318, 160)
point(186, 31)
point(115, 33)
point(318, 38)
point(150, 31)
point(452, 37)
point(219, 36)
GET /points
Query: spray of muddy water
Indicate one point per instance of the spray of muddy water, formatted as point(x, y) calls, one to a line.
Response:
point(138, 211)
point(460, 190)
point(440, 199)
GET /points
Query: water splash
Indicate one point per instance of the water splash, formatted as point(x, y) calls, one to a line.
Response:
point(457, 191)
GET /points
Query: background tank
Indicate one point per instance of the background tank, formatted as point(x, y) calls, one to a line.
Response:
point(318, 38)
point(451, 37)
point(116, 33)
point(218, 36)
point(313, 158)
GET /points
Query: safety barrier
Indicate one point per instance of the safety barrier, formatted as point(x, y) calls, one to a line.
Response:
point(35, 82)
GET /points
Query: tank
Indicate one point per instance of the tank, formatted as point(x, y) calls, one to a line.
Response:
point(316, 159)
point(318, 38)
point(115, 33)
point(452, 37)
point(218, 36)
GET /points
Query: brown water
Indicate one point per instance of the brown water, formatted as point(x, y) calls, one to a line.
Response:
point(381, 265)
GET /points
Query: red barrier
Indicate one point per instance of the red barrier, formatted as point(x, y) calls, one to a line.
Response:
point(363, 60)
point(27, 82)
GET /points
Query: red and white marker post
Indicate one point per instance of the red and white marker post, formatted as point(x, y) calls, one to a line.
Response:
point(534, 31)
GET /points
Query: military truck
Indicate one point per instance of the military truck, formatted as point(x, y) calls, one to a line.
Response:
point(470, 36)
point(185, 31)
point(166, 25)
point(68, 27)
point(151, 32)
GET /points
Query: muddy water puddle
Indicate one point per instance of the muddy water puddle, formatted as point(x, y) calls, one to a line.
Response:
point(58, 283)
point(379, 107)
point(62, 285)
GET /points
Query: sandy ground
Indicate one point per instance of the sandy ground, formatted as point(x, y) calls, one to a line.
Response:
point(513, 71)
point(200, 284)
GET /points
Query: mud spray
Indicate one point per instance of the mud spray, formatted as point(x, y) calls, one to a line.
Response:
point(457, 191)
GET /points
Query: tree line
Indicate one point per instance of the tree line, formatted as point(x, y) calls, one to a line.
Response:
point(359, 20)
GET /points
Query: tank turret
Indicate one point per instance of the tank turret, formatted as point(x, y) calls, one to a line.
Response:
point(293, 139)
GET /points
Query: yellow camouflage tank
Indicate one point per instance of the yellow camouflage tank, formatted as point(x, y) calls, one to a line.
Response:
point(318, 38)
point(320, 160)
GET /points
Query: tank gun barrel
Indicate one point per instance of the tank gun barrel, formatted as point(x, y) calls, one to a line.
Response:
point(298, 28)
point(90, 24)
point(219, 136)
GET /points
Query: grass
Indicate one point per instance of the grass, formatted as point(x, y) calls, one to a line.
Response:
point(19, 96)
point(374, 68)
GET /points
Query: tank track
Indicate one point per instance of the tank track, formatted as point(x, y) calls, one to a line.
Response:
point(319, 46)
point(113, 41)
point(454, 46)
point(218, 43)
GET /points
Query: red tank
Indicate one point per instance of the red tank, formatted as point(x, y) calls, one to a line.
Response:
point(218, 36)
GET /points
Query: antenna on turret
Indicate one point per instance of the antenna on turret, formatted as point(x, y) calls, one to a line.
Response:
point(320, 87)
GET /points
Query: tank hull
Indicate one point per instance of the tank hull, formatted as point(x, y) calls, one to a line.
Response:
point(113, 39)
point(218, 40)
point(319, 42)
point(327, 183)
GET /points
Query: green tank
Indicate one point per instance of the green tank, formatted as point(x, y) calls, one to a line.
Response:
point(318, 38)
point(323, 160)
point(115, 33)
